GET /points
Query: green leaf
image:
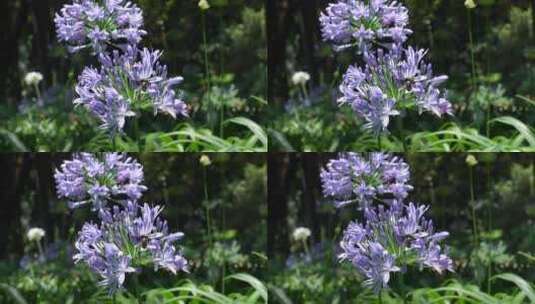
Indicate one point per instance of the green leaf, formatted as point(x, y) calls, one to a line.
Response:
point(14, 293)
point(17, 143)
point(257, 130)
point(525, 99)
point(518, 281)
point(524, 130)
point(254, 282)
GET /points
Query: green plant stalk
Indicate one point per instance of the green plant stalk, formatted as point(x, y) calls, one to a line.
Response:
point(488, 121)
point(208, 228)
point(304, 89)
point(532, 188)
point(221, 119)
point(39, 248)
point(305, 246)
point(472, 200)
point(489, 277)
point(136, 134)
point(402, 288)
point(489, 214)
point(471, 40)
point(113, 143)
point(207, 70)
point(489, 205)
point(381, 297)
point(399, 121)
point(136, 285)
point(379, 142)
point(37, 91)
point(223, 278)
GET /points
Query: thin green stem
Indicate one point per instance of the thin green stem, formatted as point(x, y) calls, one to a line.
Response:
point(221, 119)
point(399, 121)
point(37, 91)
point(223, 278)
point(381, 297)
point(489, 204)
point(379, 146)
point(136, 133)
point(402, 287)
point(207, 72)
point(208, 228)
point(205, 44)
point(136, 285)
point(39, 248)
point(305, 91)
point(472, 202)
point(532, 184)
point(305, 246)
point(489, 276)
point(471, 39)
point(113, 143)
point(488, 120)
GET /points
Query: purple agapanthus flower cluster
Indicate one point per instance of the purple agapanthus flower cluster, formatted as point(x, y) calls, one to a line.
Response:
point(130, 78)
point(393, 235)
point(390, 239)
point(362, 23)
point(129, 235)
point(89, 179)
point(354, 178)
point(96, 24)
point(394, 78)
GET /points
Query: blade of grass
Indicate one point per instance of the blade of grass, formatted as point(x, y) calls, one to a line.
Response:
point(519, 282)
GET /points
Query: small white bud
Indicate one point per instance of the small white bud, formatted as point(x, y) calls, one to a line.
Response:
point(301, 234)
point(205, 160)
point(33, 78)
point(470, 4)
point(300, 78)
point(204, 5)
point(35, 234)
point(471, 160)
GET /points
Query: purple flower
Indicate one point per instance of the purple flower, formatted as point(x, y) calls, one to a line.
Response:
point(91, 179)
point(99, 24)
point(357, 178)
point(128, 82)
point(392, 235)
point(127, 236)
point(362, 23)
point(391, 82)
point(390, 239)
point(393, 78)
